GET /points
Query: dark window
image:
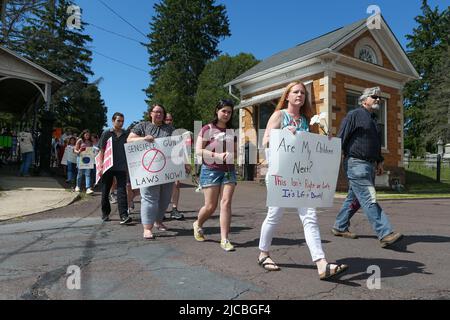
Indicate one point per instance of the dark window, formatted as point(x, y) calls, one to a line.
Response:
point(265, 111)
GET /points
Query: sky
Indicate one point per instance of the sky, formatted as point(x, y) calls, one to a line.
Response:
point(259, 27)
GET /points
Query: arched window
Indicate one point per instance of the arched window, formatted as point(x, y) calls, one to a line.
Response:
point(366, 53)
point(367, 50)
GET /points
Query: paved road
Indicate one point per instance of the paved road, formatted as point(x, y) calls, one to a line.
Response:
point(116, 263)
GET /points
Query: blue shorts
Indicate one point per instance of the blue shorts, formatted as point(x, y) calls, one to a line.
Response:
point(212, 177)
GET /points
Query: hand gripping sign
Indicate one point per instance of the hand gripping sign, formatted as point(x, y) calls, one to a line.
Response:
point(158, 162)
point(107, 163)
point(303, 169)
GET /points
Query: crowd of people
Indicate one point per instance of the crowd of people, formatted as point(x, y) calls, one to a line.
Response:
point(216, 147)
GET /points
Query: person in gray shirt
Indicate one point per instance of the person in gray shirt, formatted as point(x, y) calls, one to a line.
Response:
point(154, 199)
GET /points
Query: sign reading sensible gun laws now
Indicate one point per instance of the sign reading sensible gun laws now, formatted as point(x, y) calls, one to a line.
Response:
point(158, 162)
point(303, 169)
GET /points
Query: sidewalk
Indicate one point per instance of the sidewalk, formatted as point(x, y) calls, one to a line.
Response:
point(21, 196)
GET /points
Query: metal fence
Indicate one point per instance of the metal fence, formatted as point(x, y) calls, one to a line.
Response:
point(432, 167)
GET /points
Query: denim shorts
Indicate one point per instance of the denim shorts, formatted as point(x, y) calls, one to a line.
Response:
point(212, 177)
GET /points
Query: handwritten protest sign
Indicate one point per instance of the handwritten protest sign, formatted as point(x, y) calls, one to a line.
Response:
point(69, 156)
point(107, 163)
point(158, 162)
point(303, 169)
point(86, 159)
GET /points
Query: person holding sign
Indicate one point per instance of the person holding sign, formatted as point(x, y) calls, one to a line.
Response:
point(71, 159)
point(154, 199)
point(174, 213)
point(26, 150)
point(217, 147)
point(361, 144)
point(81, 146)
point(118, 169)
point(293, 112)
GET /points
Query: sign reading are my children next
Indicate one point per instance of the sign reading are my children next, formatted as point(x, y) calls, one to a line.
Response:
point(158, 162)
point(303, 169)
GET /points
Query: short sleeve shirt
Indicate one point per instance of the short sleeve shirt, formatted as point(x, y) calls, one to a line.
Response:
point(145, 128)
point(118, 142)
point(218, 140)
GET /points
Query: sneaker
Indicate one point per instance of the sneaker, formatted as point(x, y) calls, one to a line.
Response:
point(77, 189)
point(125, 220)
point(226, 245)
point(112, 198)
point(175, 214)
point(89, 191)
point(390, 239)
point(344, 234)
point(105, 218)
point(198, 232)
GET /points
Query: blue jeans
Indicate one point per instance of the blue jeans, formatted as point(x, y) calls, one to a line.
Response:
point(211, 177)
point(71, 170)
point(87, 174)
point(361, 193)
point(27, 158)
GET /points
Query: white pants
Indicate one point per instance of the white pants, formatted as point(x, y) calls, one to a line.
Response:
point(311, 228)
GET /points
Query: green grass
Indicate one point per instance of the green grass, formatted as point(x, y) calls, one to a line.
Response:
point(419, 172)
point(420, 184)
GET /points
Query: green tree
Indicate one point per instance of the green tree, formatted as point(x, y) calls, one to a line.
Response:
point(426, 44)
point(211, 82)
point(186, 35)
point(171, 91)
point(437, 117)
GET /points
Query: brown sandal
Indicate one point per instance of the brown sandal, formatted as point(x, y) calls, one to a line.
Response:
point(264, 265)
point(330, 273)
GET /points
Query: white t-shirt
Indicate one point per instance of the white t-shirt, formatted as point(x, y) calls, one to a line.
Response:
point(25, 142)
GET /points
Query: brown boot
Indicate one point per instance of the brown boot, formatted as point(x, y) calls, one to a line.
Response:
point(344, 234)
point(390, 239)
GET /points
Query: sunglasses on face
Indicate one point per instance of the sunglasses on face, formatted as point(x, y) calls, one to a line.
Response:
point(375, 97)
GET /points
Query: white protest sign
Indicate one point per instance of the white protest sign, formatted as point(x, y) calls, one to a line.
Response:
point(158, 162)
point(64, 158)
point(303, 169)
point(69, 155)
point(86, 160)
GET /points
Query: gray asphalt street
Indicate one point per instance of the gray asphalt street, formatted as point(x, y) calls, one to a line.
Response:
point(116, 263)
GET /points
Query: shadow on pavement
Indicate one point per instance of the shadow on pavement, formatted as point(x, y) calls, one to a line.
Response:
point(389, 267)
point(275, 242)
point(208, 231)
point(402, 245)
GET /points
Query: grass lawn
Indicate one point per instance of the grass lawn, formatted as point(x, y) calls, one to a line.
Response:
point(419, 185)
